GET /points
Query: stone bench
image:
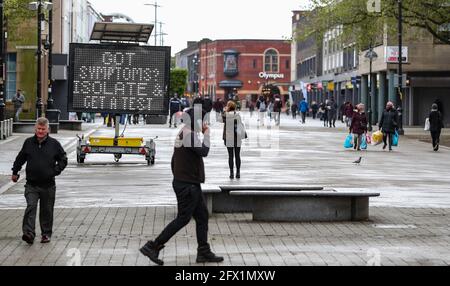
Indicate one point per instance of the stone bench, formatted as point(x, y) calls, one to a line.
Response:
point(74, 125)
point(220, 201)
point(28, 126)
point(307, 206)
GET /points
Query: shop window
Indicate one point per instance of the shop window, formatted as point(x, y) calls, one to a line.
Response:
point(11, 82)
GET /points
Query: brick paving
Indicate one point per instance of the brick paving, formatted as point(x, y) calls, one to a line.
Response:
point(112, 237)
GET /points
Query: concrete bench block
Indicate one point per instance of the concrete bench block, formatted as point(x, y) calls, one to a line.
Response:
point(75, 125)
point(308, 206)
point(29, 127)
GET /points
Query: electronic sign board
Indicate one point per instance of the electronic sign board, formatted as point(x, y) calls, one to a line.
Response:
point(119, 78)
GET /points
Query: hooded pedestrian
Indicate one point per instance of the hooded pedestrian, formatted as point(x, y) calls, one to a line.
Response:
point(189, 172)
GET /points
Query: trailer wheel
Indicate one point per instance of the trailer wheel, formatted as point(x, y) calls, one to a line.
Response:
point(80, 160)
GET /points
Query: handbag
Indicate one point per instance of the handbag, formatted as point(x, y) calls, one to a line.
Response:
point(427, 124)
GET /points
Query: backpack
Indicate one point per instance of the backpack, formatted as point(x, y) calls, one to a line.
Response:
point(262, 107)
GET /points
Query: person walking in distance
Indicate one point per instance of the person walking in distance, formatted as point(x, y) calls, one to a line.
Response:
point(303, 110)
point(359, 126)
point(208, 106)
point(174, 106)
point(46, 159)
point(189, 172)
point(348, 113)
point(277, 106)
point(262, 109)
point(294, 109)
point(18, 101)
point(388, 124)
point(332, 112)
point(233, 134)
point(436, 125)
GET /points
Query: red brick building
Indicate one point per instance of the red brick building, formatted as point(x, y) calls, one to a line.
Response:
point(247, 68)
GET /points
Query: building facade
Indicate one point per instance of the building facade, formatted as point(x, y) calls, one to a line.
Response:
point(244, 68)
point(332, 68)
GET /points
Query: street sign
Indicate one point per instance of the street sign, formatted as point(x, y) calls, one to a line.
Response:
point(119, 78)
point(392, 55)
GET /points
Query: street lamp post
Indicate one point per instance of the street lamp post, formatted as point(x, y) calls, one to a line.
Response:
point(371, 55)
point(39, 6)
point(2, 64)
point(50, 60)
point(39, 61)
point(400, 68)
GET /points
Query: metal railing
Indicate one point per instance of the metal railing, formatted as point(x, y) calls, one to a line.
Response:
point(6, 129)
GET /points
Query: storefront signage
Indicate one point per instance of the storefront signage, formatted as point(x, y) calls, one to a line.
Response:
point(273, 76)
point(392, 54)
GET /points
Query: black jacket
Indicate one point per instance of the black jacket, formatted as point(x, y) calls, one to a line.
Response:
point(187, 161)
point(389, 121)
point(44, 160)
point(436, 121)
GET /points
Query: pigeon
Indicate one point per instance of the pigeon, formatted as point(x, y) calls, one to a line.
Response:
point(358, 161)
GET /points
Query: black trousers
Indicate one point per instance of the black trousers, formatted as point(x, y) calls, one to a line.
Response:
point(46, 199)
point(435, 135)
point(304, 117)
point(386, 136)
point(172, 114)
point(234, 152)
point(191, 203)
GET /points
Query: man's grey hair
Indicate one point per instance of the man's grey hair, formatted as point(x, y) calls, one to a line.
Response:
point(42, 122)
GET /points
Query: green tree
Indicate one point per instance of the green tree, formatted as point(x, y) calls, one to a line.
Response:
point(363, 26)
point(178, 78)
point(16, 14)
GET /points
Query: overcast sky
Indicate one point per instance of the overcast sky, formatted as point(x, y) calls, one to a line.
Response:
point(193, 20)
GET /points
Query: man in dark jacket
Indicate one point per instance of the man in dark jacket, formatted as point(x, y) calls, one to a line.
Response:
point(436, 125)
point(332, 112)
point(46, 159)
point(189, 172)
point(389, 124)
point(208, 106)
point(174, 106)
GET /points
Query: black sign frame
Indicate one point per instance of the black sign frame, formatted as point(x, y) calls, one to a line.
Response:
point(119, 47)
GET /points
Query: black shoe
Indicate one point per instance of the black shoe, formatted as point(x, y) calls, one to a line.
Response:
point(205, 255)
point(28, 238)
point(151, 250)
point(384, 146)
point(45, 239)
point(231, 174)
point(390, 149)
point(238, 174)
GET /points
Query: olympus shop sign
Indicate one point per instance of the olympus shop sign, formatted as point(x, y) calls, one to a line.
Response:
point(271, 75)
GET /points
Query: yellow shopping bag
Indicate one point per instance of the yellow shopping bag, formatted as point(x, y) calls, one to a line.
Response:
point(377, 138)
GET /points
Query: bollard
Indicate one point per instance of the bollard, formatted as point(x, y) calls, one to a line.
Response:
point(2, 135)
point(10, 127)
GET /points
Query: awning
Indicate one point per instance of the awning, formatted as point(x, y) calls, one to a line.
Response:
point(231, 83)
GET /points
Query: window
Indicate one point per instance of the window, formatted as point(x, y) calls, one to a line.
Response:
point(271, 61)
point(287, 64)
point(11, 83)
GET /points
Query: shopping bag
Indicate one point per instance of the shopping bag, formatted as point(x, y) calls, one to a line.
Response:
point(395, 139)
point(363, 143)
point(427, 124)
point(348, 141)
point(377, 138)
point(368, 139)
